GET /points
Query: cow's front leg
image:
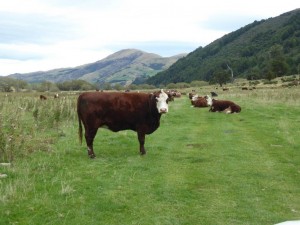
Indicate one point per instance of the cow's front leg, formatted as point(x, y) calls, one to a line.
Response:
point(141, 137)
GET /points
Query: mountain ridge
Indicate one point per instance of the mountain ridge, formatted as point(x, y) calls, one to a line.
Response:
point(122, 67)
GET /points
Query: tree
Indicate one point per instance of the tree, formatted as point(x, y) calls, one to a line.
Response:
point(171, 86)
point(220, 77)
point(118, 87)
point(231, 70)
point(74, 85)
point(106, 86)
point(9, 84)
point(45, 86)
point(198, 83)
point(278, 65)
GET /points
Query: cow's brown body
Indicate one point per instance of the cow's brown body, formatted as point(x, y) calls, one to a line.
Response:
point(117, 111)
point(43, 97)
point(224, 106)
point(200, 102)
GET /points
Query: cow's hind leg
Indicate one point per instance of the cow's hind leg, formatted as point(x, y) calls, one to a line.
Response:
point(89, 137)
point(141, 137)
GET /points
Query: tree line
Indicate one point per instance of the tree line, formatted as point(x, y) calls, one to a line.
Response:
point(15, 85)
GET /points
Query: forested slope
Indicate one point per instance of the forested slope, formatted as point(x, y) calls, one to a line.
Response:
point(262, 49)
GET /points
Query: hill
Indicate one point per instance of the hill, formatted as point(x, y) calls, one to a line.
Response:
point(266, 47)
point(123, 67)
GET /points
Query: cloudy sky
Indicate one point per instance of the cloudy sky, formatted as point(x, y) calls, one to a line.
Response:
point(47, 34)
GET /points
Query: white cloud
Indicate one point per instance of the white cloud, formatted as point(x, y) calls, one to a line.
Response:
point(47, 34)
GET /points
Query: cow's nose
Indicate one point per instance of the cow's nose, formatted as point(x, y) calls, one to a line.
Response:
point(163, 110)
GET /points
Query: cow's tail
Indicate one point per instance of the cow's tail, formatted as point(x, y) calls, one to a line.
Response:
point(79, 123)
point(79, 129)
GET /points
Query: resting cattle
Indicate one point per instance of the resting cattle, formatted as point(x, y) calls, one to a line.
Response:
point(198, 101)
point(118, 111)
point(224, 106)
point(191, 95)
point(43, 97)
point(174, 93)
point(213, 94)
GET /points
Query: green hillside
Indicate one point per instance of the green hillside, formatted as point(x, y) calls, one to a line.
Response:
point(262, 49)
point(123, 67)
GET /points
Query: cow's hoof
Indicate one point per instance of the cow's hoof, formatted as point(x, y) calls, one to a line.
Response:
point(92, 156)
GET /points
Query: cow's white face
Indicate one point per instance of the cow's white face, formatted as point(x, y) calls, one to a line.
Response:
point(209, 100)
point(195, 97)
point(162, 104)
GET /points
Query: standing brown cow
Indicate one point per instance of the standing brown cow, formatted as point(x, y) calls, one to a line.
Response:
point(118, 111)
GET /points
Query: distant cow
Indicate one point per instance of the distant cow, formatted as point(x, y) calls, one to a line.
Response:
point(198, 101)
point(170, 97)
point(213, 94)
point(174, 93)
point(191, 95)
point(117, 111)
point(56, 95)
point(224, 106)
point(43, 97)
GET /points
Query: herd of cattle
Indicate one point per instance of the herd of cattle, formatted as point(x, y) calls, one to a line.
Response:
point(140, 112)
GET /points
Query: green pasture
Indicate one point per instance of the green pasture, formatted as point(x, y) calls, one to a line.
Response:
point(200, 168)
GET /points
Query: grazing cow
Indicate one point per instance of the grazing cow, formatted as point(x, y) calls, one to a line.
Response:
point(117, 111)
point(224, 106)
point(43, 97)
point(56, 95)
point(198, 101)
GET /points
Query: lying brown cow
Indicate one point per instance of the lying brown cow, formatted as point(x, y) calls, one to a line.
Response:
point(43, 97)
point(198, 101)
point(117, 111)
point(192, 94)
point(224, 106)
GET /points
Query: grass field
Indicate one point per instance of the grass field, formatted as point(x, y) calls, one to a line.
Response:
point(200, 168)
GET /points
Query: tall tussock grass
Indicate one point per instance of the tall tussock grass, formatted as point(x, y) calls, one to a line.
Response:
point(25, 122)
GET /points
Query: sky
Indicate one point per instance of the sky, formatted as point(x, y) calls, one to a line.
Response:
point(40, 35)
